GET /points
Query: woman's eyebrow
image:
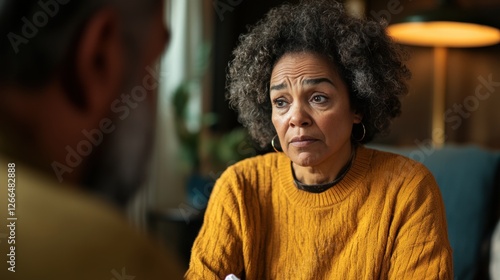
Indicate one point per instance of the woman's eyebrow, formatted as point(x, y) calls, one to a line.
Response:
point(314, 81)
point(278, 87)
point(317, 81)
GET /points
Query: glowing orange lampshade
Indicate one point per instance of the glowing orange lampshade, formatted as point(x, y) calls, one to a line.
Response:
point(442, 28)
point(444, 34)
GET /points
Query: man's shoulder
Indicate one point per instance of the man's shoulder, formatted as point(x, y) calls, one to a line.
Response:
point(61, 228)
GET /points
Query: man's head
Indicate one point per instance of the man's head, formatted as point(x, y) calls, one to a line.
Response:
point(77, 83)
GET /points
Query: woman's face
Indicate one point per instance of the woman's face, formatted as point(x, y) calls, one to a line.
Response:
point(310, 109)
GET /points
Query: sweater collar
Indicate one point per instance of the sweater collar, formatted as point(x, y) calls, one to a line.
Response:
point(335, 194)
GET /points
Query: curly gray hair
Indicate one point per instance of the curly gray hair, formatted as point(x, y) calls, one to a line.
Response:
point(367, 60)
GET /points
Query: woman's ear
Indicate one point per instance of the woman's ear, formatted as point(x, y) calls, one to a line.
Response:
point(358, 116)
point(99, 61)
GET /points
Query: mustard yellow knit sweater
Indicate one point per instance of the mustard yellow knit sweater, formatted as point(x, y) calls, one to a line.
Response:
point(384, 220)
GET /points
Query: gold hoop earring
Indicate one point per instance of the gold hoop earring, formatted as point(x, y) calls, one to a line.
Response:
point(363, 136)
point(272, 143)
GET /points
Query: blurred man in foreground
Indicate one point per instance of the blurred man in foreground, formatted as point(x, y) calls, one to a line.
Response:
point(77, 107)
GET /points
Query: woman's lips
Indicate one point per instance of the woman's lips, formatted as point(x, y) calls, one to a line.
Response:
point(302, 141)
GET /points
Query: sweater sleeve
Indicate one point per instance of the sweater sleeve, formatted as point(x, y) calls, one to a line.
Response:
point(217, 251)
point(421, 248)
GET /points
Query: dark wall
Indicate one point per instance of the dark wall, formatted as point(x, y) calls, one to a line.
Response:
point(230, 22)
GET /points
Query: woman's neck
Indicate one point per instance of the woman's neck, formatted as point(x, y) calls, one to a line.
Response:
point(328, 170)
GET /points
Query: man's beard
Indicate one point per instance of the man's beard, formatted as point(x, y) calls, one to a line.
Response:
point(118, 166)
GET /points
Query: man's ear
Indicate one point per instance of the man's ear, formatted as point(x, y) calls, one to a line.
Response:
point(99, 60)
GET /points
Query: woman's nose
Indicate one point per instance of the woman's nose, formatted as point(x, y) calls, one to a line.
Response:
point(299, 116)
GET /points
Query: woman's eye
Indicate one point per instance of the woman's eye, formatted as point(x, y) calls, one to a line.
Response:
point(319, 99)
point(279, 103)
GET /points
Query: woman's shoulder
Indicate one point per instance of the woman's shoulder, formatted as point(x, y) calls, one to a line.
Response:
point(398, 160)
point(405, 174)
point(250, 175)
point(258, 164)
point(254, 168)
